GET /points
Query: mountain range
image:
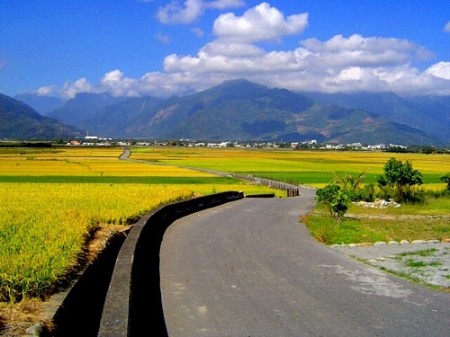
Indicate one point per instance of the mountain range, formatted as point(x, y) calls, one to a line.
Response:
point(427, 113)
point(242, 110)
point(20, 121)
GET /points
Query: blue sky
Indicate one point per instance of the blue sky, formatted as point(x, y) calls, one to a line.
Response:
point(161, 48)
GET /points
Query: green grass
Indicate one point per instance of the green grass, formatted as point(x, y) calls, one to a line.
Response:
point(410, 277)
point(327, 230)
point(301, 178)
point(423, 253)
point(420, 264)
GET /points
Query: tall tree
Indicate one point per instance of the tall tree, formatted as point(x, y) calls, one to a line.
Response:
point(446, 179)
point(402, 178)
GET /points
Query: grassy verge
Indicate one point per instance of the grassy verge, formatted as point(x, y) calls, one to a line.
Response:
point(373, 229)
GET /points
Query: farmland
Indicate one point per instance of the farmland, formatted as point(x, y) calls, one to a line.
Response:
point(53, 199)
point(428, 220)
point(314, 168)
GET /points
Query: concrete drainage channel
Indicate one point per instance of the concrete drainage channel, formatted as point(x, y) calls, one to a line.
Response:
point(80, 311)
point(119, 295)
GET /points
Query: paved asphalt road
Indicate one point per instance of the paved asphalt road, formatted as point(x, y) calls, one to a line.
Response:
point(249, 268)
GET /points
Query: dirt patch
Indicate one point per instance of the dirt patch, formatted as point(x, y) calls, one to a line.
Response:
point(15, 318)
point(99, 239)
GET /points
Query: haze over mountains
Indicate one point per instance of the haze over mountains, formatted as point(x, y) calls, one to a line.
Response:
point(242, 110)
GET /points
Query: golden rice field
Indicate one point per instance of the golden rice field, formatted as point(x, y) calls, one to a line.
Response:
point(314, 168)
point(43, 227)
point(51, 200)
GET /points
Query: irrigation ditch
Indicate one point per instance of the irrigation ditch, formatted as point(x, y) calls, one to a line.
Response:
point(114, 295)
point(81, 308)
point(109, 297)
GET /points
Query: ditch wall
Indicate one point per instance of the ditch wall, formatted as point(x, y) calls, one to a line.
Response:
point(133, 304)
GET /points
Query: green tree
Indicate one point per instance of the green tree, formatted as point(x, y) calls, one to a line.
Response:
point(326, 195)
point(334, 198)
point(402, 179)
point(339, 205)
point(446, 179)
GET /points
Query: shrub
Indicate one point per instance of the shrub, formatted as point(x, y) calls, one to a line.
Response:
point(368, 192)
point(335, 199)
point(350, 184)
point(399, 181)
point(446, 179)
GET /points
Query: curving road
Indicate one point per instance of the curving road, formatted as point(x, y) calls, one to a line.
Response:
point(249, 268)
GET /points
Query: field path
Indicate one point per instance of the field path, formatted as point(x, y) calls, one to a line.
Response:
point(125, 155)
point(249, 268)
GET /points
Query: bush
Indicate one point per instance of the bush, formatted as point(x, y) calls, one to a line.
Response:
point(446, 179)
point(368, 192)
point(350, 184)
point(335, 199)
point(399, 182)
point(339, 204)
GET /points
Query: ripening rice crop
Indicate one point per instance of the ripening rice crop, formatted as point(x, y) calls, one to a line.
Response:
point(315, 168)
point(43, 227)
point(90, 167)
point(51, 199)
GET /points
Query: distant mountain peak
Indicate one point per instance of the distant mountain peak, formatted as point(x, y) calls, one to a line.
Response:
point(237, 82)
point(242, 110)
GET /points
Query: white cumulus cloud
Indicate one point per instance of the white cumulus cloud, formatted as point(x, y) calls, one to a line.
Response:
point(70, 89)
point(440, 69)
point(357, 50)
point(338, 64)
point(117, 84)
point(262, 22)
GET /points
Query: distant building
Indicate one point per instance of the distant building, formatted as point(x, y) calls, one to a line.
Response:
point(90, 137)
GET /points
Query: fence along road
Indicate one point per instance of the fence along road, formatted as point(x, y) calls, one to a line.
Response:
point(291, 190)
point(249, 268)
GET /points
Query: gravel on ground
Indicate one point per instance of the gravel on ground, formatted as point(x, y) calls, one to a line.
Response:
point(426, 262)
